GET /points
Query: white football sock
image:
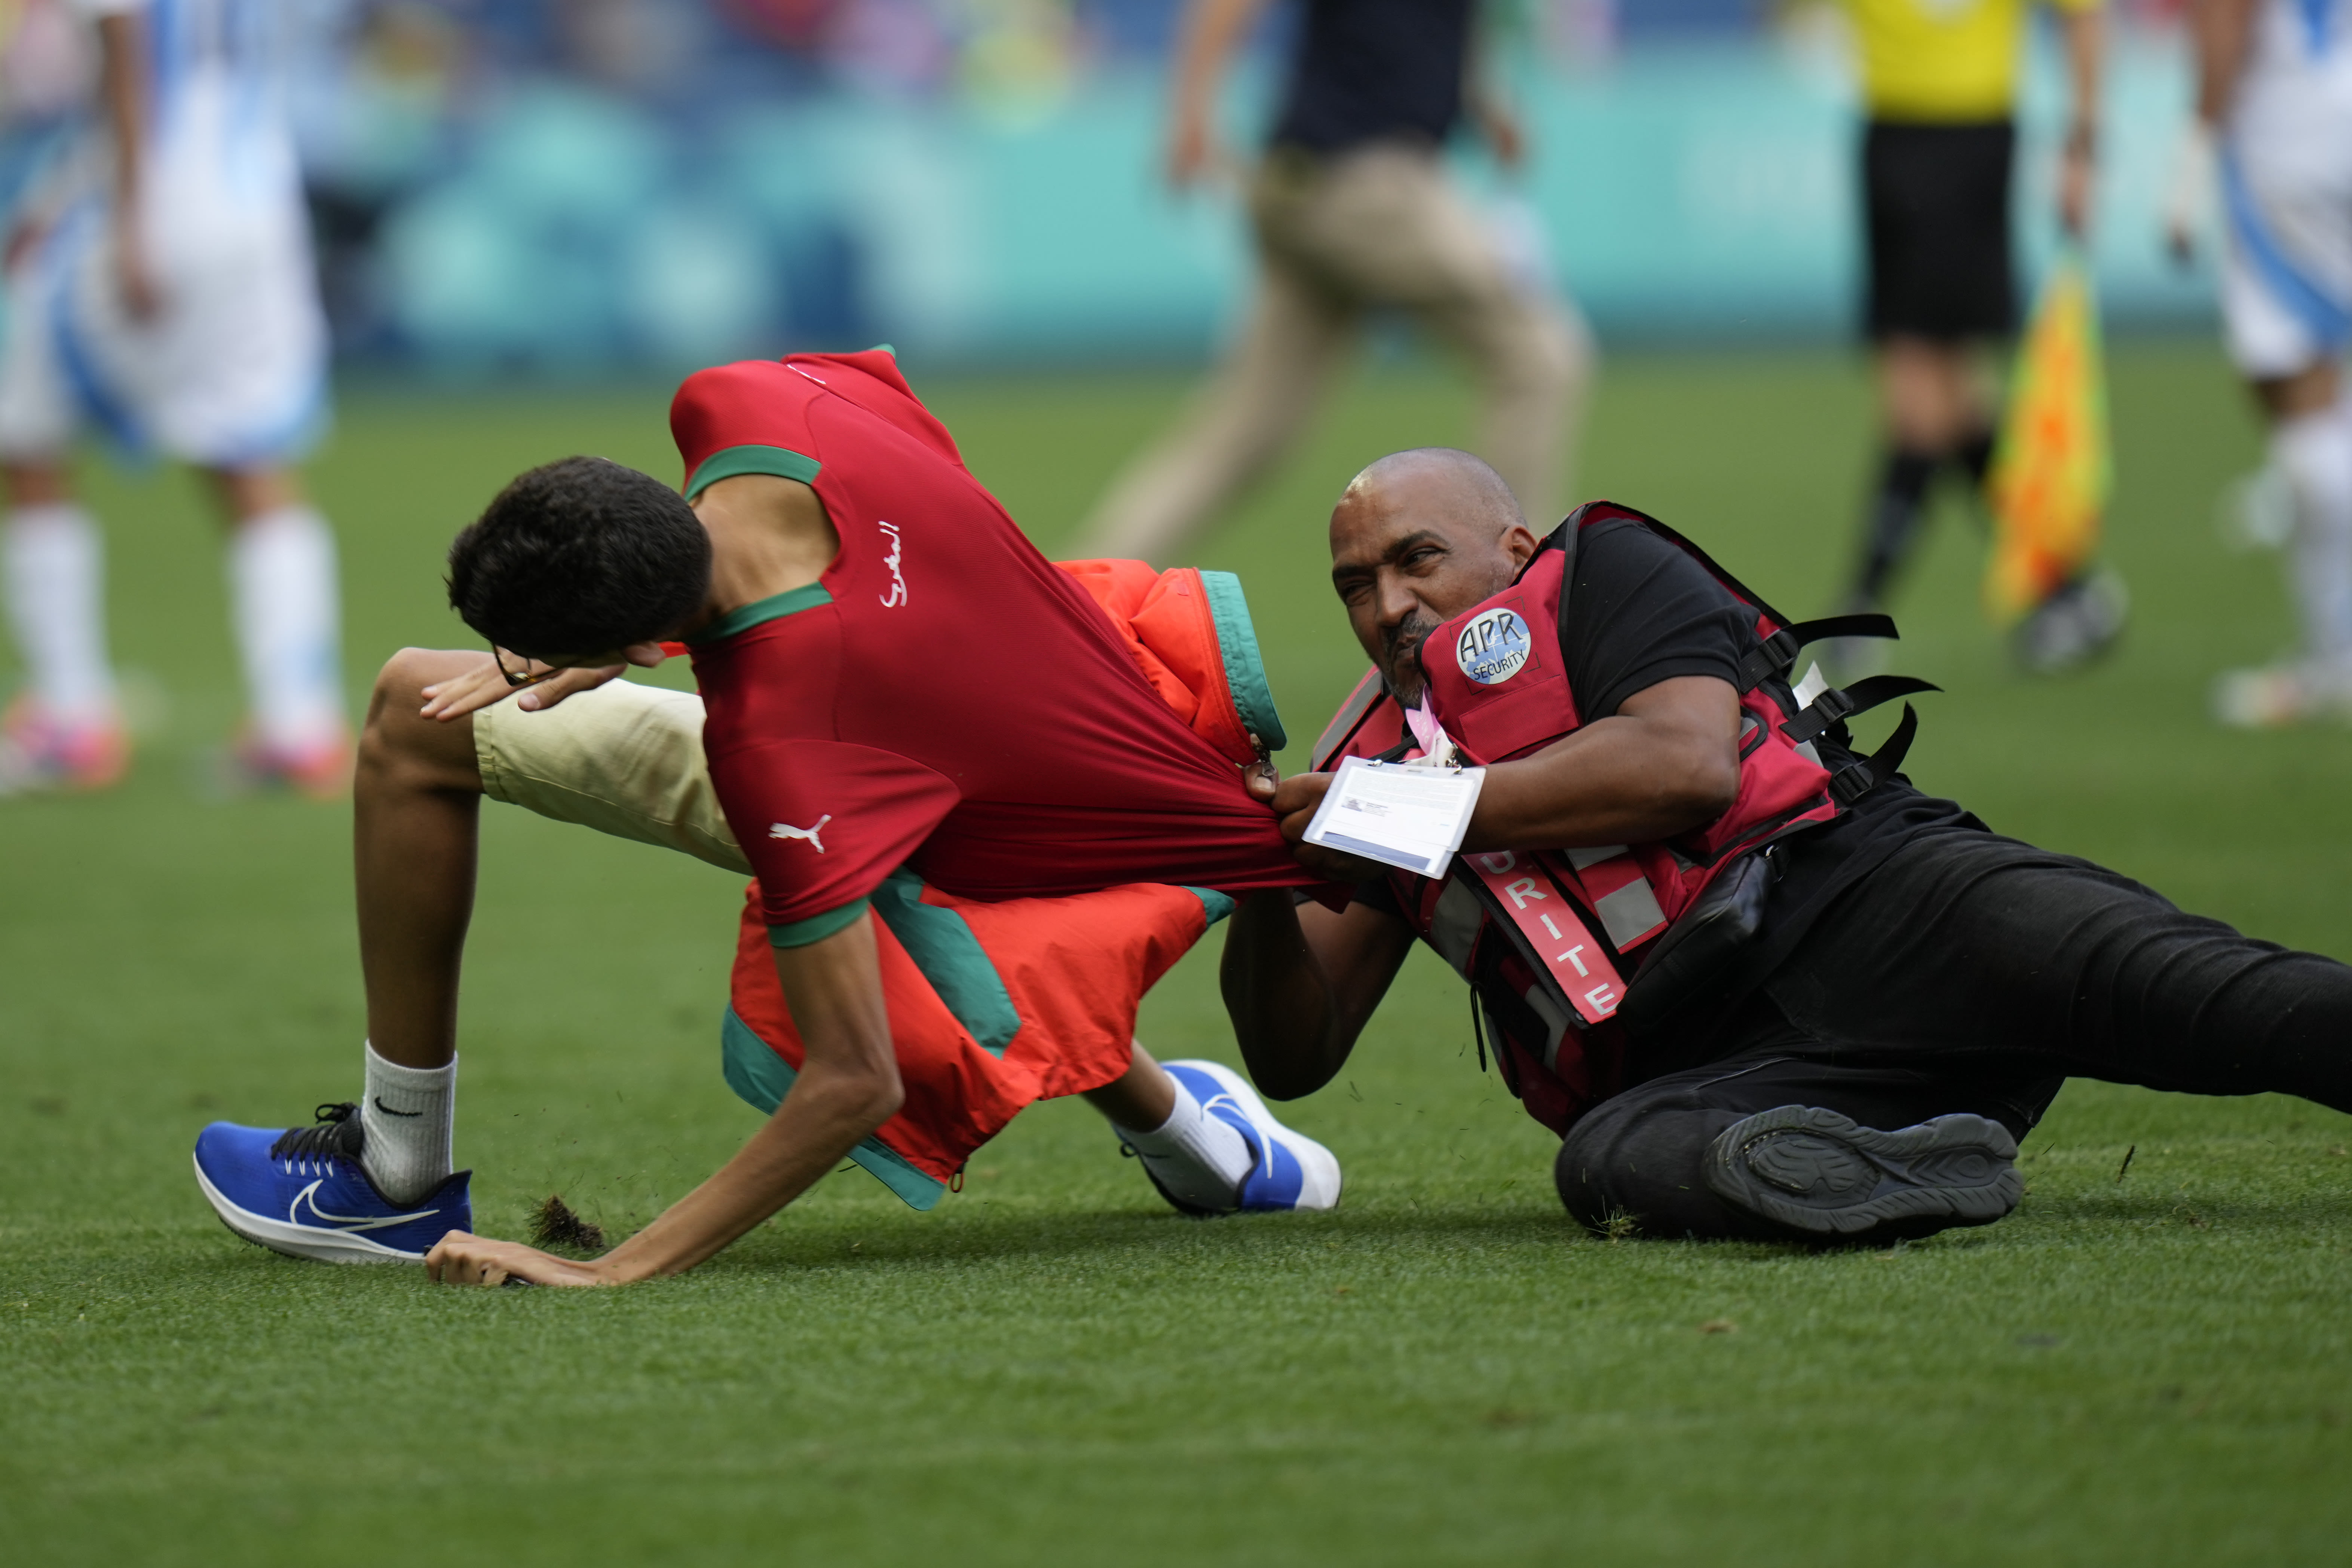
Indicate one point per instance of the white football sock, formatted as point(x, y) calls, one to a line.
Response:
point(410, 1116)
point(282, 575)
point(1196, 1157)
point(2315, 452)
point(56, 607)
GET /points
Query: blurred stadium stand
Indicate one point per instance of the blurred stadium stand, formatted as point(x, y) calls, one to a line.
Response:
point(555, 185)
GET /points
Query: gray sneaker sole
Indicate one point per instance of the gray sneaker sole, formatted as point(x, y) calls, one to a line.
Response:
point(1821, 1172)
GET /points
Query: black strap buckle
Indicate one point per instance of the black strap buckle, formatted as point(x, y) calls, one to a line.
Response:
point(1777, 655)
point(1843, 702)
point(1859, 777)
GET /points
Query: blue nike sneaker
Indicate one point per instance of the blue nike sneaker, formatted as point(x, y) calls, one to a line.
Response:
point(300, 1190)
point(1291, 1171)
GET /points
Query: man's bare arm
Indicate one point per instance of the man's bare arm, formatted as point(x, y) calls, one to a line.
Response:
point(1665, 761)
point(122, 47)
point(1213, 29)
point(2086, 33)
point(848, 1085)
point(2221, 31)
point(1490, 108)
point(1300, 982)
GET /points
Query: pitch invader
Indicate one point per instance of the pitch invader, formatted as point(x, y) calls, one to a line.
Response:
point(2274, 115)
point(161, 290)
point(984, 817)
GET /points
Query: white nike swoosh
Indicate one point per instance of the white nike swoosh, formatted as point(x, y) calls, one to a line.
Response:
point(1266, 1153)
point(347, 1222)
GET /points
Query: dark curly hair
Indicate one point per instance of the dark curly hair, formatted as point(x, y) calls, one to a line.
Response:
point(580, 556)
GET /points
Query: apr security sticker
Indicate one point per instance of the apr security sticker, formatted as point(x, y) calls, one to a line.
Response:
point(1494, 646)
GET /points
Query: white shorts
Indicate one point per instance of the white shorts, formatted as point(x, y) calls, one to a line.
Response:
point(2286, 266)
point(232, 370)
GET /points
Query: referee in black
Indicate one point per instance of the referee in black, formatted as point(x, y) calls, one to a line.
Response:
point(1940, 84)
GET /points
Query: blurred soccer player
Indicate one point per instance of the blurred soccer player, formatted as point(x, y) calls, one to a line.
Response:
point(2274, 97)
point(162, 291)
point(1939, 83)
point(1353, 211)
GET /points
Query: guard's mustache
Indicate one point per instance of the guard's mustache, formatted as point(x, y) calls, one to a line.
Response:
point(1402, 639)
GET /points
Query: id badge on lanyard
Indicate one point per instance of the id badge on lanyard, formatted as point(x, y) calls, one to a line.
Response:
point(1411, 816)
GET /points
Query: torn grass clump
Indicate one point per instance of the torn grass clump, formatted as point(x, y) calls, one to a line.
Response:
point(554, 1224)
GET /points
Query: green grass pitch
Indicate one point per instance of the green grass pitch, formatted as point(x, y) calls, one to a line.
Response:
point(2155, 1369)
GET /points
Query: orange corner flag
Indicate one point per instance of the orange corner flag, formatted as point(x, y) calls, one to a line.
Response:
point(2052, 470)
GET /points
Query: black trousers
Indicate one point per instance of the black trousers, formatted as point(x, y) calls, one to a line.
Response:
point(1970, 973)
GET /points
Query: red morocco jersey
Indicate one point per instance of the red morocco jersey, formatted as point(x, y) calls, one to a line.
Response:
point(943, 698)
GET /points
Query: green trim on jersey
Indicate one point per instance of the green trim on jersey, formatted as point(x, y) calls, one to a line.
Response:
point(1214, 905)
point(759, 612)
point(942, 943)
point(1244, 666)
point(817, 928)
point(728, 462)
point(761, 1078)
point(942, 946)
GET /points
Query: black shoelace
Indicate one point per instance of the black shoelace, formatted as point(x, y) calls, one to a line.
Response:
point(334, 1135)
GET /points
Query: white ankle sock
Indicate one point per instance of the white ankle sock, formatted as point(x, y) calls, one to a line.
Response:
point(282, 575)
point(1198, 1158)
point(56, 606)
point(2315, 451)
point(409, 1116)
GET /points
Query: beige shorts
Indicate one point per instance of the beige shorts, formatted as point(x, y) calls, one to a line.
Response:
point(624, 759)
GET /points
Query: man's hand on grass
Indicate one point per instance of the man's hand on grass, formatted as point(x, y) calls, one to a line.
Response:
point(459, 1259)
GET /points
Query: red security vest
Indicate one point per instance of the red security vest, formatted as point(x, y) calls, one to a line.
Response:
point(1551, 939)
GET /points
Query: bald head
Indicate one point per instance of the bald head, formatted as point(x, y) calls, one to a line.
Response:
point(1462, 484)
point(1418, 538)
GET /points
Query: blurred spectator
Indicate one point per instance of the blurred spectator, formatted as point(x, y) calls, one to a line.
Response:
point(2274, 103)
point(372, 104)
point(1353, 211)
point(1939, 84)
point(162, 290)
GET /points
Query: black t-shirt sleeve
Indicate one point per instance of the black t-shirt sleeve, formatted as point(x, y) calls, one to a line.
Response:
point(1642, 611)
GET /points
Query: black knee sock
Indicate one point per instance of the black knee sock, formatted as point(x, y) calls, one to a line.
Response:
point(1896, 512)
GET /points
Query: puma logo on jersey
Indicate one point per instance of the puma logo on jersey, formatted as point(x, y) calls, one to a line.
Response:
point(897, 594)
point(786, 830)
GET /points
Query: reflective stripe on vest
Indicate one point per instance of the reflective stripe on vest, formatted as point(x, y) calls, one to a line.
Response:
point(1576, 962)
point(1619, 893)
